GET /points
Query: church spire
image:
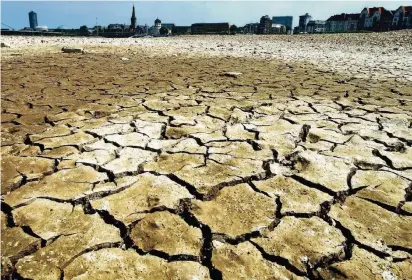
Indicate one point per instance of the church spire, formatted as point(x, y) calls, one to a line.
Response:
point(133, 20)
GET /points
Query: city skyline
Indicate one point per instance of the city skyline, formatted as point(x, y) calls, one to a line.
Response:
point(75, 14)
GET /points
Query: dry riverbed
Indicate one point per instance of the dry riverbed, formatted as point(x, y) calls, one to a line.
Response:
point(207, 158)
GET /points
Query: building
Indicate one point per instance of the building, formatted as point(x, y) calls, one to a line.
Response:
point(169, 26)
point(251, 28)
point(284, 20)
point(303, 22)
point(342, 23)
point(133, 20)
point(181, 30)
point(265, 25)
point(402, 17)
point(336, 23)
point(143, 29)
point(278, 29)
point(116, 27)
point(316, 26)
point(33, 20)
point(41, 28)
point(210, 28)
point(376, 19)
point(155, 29)
point(140, 29)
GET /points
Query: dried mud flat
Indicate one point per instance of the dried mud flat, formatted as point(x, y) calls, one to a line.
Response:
point(166, 166)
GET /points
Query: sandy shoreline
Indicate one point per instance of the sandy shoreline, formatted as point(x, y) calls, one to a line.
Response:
point(363, 55)
point(192, 159)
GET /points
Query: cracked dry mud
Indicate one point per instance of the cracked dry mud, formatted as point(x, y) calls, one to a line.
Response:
point(164, 167)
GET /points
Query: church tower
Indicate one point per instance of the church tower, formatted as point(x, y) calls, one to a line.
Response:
point(133, 20)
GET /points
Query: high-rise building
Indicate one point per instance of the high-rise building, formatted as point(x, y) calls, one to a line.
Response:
point(303, 22)
point(33, 20)
point(133, 20)
point(284, 20)
point(265, 26)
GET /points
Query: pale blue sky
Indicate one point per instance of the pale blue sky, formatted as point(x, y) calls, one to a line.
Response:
point(75, 14)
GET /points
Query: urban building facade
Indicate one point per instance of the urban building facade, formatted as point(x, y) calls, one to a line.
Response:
point(170, 27)
point(316, 26)
point(251, 28)
point(303, 22)
point(116, 27)
point(342, 23)
point(370, 19)
point(284, 20)
point(265, 25)
point(181, 30)
point(33, 20)
point(278, 29)
point(375, 19)
point(210, 28)
point(402, 18)
point(155, 29)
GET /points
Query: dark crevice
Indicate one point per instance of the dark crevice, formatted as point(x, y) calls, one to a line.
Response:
point(279, 260)
point(32, 199)
point(351, 241)
point(387, 207)
point(238, 239)
point(91, 249)
point(398, 147)
point(215, 189)
point(111, 220)
point(14, 276)
point(61, 274)
point(207, 247)
point(7, 210)
point(278, 211)
point(352, 173)
point(191, 189)
point(47, 121)
point(407, 141)
point(173, 258)
point(314, 185)
point(30, 232)
point(400, 248)
point(287, 119)
point(266, 168)
point(304, 131)
point(255, 188)
point(408, 193)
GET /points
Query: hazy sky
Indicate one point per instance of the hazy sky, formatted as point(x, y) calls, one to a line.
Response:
point(75, 14)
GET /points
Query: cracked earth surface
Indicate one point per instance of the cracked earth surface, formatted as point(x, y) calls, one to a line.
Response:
point(165, 167)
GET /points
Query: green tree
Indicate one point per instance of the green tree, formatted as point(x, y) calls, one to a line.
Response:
point(164, 31)
point(233, 29)
point(84, 31)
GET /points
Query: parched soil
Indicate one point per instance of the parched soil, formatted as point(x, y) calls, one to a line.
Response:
point(211, 167)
